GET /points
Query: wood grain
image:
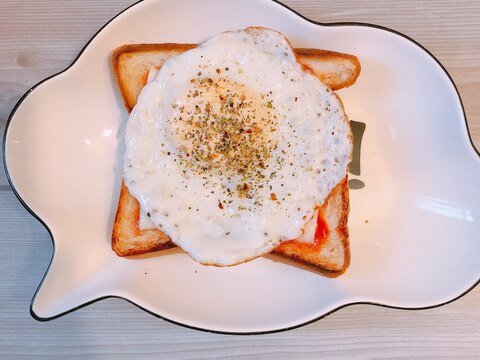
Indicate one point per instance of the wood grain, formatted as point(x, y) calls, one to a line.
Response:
point(40, 38)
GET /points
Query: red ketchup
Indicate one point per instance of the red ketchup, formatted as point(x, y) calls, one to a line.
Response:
point(321, 232)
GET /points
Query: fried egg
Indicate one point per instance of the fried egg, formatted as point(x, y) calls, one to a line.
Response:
point(233, 145)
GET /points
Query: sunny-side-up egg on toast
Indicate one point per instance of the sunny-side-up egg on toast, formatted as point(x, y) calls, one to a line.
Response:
point(233, 145)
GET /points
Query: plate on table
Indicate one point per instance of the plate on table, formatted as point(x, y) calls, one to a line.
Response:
point(413, 221)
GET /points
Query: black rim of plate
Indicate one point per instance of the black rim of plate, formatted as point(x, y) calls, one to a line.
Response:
point(335, 24)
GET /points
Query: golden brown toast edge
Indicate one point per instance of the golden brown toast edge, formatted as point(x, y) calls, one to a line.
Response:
point(128, 239)
point(305, 56)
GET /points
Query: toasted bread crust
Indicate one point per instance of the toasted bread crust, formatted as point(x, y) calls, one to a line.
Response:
point(338, 79)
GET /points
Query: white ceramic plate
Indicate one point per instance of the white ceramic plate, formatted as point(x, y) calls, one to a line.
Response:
point(414, 227)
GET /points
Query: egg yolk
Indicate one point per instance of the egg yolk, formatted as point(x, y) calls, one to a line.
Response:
point(220, 126)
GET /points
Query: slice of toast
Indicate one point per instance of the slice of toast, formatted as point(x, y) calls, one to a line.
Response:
point(330, 256)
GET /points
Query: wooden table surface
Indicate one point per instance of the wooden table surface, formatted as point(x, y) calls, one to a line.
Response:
point(40, 38)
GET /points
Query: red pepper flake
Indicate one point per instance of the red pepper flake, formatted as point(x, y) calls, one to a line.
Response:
point(249, 131)
point(220, 205)
point(273, 196)
point(218, 71)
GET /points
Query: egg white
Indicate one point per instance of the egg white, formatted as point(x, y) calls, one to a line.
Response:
point(233, 145)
